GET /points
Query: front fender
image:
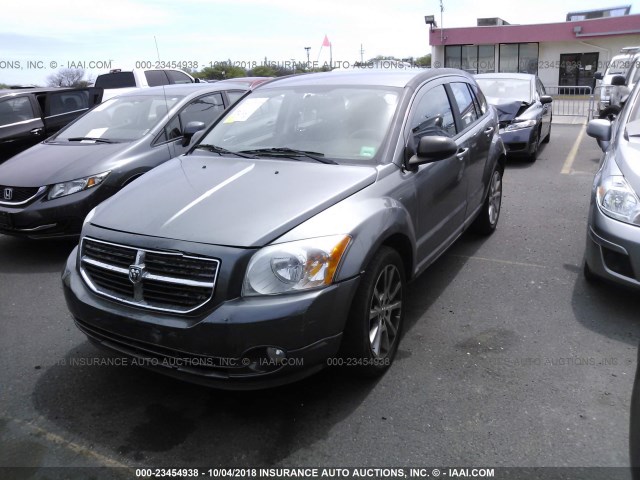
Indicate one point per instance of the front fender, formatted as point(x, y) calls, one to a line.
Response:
point(370, 222)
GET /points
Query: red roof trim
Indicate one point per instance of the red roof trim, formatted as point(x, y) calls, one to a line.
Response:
point(542, 32)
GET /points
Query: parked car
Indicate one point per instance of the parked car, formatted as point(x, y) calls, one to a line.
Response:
point(524, 110)
point(289, 232)
point(119, 81)
point(613, 232)
point(28, 116)
point(617, 81)
point(49, 189)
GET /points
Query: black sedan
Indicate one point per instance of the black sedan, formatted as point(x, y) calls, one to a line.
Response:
point(47, 190)
point(524, 110)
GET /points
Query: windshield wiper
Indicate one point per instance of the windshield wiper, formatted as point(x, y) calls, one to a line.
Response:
point(221, 151)
point(94, 139)
point(290, 153)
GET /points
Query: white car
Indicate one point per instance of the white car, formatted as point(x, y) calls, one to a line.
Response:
point(120, 81)
point(611, 95)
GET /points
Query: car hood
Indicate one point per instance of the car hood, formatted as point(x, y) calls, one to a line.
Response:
point(508, 109)
point(49, 163)
point(229, 201)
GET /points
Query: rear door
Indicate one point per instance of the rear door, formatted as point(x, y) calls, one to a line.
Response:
point(20, 124)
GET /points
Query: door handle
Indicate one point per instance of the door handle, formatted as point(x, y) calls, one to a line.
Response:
point(488, 131)
point(461, 153)
point(36, 131)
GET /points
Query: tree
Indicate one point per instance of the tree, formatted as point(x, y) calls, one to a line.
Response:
point(68, 77)
point(424, 61)
point(220, 72)
point(263, 71)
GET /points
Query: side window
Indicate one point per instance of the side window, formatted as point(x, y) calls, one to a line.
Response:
point(173, 129)
point(203, 109)
point(466, 107)
point(481, 101)
point(156, 78)
point(234, 95)
point(178, 77)
point(433, 115)
point(15, 110)
point(65, 102)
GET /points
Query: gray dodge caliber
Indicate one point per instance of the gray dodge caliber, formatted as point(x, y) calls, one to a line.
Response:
point(283, 241)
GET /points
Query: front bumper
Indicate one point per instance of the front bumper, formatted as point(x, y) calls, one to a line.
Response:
point(228, 346)
point(613, 249)
point(518, 142)
point(60, 217)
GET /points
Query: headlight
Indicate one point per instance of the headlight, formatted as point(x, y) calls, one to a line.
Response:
point(295, 266)
point(74, 186)
point(520, 124)
point(618, 200)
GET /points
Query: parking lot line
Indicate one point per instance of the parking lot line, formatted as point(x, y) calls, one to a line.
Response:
point(495, 260)
point(69, 445)
point(568, 163)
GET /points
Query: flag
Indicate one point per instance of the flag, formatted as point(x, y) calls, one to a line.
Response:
point(326, 42)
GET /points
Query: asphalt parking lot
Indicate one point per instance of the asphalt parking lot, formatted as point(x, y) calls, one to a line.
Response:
point(509, 358)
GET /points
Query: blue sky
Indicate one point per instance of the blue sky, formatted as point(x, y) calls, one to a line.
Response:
point(123, 31)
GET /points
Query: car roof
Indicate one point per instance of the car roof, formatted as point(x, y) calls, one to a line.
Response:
point(410, 77)
point(18, 91)
point(185, 89)
point(514, 76)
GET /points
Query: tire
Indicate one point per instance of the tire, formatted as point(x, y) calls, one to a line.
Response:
point(374, 326)
point(533, 154)
point(487, 220)
point(548, 137)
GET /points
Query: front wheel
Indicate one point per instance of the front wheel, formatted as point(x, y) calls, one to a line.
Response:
point(375, 321)
point(487, 221)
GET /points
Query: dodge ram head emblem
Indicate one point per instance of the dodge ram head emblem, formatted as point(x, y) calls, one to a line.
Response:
point(135, 274)
point(8, 193)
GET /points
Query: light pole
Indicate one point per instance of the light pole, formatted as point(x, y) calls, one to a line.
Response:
point(308, 49)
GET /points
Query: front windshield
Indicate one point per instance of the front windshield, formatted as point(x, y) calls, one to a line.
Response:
point(337, 122)
point(506, 88)
point(619, 65)
point(120, 119)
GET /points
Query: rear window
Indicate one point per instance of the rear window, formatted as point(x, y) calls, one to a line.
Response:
point(155, 78)
point(116, 80)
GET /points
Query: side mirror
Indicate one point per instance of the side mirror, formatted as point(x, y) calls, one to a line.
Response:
point(432, 149)
point(196, 80)
point(190, 130)
point(618, 80)
point(546, 99)
point(598, 75)
point(600, 129)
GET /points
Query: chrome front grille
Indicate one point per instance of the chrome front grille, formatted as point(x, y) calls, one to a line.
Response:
point(16, 196)
point(156, 280)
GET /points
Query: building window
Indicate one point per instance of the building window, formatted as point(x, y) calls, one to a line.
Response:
point(577, 69)
point(453, 56)
point(486, 59)
point(471, 58)
point(519, 58)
